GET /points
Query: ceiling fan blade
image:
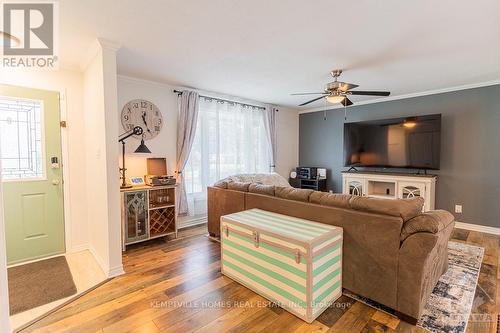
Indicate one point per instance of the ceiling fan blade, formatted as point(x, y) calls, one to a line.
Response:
point(309, 93)
point(346, 102)
point(312, 100)
point(344, 86)
point(369, 93)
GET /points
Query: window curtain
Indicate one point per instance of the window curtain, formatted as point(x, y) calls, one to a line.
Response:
point(230, 138)
point(270, 126)
point(186, 130)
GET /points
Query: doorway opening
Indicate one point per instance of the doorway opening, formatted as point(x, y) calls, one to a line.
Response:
point(41, 274)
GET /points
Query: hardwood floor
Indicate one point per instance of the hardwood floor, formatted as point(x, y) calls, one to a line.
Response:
point(176, 286)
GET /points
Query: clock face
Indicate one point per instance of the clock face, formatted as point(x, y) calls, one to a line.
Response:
point(145, 114)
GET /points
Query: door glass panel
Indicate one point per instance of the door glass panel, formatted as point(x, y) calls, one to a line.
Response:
point(136, 211)
point(21, 150)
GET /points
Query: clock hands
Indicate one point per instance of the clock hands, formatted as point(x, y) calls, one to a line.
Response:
point(145, 123)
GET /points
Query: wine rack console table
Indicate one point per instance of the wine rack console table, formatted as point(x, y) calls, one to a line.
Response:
point(147, 212)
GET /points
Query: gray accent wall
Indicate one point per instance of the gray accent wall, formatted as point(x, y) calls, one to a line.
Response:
point(470, 146)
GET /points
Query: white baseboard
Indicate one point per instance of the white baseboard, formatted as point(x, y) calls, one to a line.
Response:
point(477, 227)
point(109, 272)
point(115, 271)
point(35, 260)
point(192, 222)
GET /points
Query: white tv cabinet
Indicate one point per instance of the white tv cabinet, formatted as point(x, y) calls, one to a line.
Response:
point(390, 186)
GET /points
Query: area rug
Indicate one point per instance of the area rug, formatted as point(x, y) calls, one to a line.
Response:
point(39, 283)
point(449, 305)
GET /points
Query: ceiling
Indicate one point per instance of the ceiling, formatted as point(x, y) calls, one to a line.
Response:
point(265, 50)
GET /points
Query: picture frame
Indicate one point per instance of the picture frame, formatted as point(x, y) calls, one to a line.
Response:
point(137, 181)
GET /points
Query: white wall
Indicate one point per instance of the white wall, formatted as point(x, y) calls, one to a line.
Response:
point(70, 83)
point(101, 159)
point(112, 167)
point(164, 145)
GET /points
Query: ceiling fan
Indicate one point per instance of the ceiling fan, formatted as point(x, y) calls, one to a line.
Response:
point(337, 91)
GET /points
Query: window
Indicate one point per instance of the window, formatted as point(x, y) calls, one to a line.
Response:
point(21, 139)
point(230, 139)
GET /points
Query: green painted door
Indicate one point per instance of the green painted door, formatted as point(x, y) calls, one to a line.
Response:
point(30, 138)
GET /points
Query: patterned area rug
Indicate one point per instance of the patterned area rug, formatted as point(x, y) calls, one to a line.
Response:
point(449, 305)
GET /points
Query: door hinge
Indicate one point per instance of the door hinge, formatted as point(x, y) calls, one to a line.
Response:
point(63, 124)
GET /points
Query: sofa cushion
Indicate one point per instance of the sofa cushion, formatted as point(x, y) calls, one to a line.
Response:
point(432, 221)
point(221, 184)
point(316, 196)
point(330, 199)
point(238, 186)
point(404, 208)
point(261, 189)
point(291, 193)
point(336, 200)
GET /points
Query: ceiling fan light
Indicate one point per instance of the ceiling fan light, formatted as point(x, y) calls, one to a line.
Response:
point(335, 98)
point(410, 122)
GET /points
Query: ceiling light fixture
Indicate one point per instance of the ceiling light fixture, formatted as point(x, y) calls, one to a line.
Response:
point(410, 122)
point(8, 39)
point(335, 98)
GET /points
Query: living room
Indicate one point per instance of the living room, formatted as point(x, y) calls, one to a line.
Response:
point(249, 166)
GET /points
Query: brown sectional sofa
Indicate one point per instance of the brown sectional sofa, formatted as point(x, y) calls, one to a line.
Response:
point(393, 253)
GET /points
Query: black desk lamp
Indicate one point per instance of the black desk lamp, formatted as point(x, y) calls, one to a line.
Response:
point(141, 149)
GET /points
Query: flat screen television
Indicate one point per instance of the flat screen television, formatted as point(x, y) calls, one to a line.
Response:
point(410, 142)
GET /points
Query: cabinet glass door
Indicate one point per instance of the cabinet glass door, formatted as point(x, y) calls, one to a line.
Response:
point(136, 216)
point(411, 190)
point(355, 187)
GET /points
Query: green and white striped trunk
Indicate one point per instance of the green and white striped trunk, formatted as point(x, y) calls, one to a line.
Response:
point(294, 262)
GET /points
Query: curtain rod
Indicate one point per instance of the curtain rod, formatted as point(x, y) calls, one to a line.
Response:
point(178, 92)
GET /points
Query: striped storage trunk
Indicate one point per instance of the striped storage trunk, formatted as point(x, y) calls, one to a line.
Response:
point(293, 262)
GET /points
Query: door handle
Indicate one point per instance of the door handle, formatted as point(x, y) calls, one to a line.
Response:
point(56, 181)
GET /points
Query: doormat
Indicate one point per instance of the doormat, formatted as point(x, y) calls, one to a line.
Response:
point(39, 283)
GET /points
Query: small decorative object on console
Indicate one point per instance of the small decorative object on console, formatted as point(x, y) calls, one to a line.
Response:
point(160, 180)
point(137, 181)
point(157, 172)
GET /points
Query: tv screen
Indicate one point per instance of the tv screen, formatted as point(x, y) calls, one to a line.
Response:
point(410, 142)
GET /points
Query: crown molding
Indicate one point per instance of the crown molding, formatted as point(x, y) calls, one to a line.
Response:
point(133, 79)
point(108, 44)
point(406, 96)
point(97, 45)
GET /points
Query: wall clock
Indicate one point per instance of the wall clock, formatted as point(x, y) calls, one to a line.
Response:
point(143, 113)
